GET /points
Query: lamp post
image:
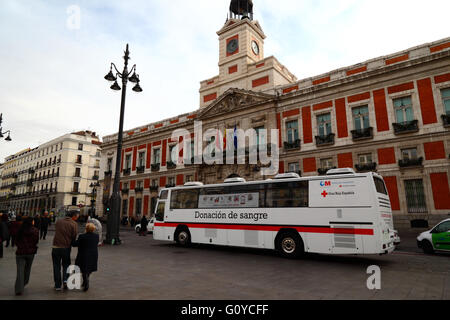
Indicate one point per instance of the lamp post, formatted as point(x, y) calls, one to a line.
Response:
point(113, 222)
point(94, 187)
point(8, 138)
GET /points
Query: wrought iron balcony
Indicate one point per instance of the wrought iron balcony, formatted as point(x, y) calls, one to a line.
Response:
point(361, 134)
point(406, 127)
point(170, 185)
point(417, 162)
point(140, 169)
point(125, 191)
point(446, 120)
point(292, 145)
point(323, 171)
point(325, 140)
point(171, 165)
point(139, 189)
point(127, 171)
point(95, 177)
point(366, 167)
point(153, 188)
point(155, 166)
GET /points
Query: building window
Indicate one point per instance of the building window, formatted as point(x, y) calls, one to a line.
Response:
point(409, 154)
point(80, 146)
point(365, 158)
point(124, 207)
point(171, 181)
point(154, 183)
point(79, 158)
point(77, 172)
point(128, 161)
point(446, 100)
point(326, 163)
point(189, 178)
point(294, 167)
point(173, 153)
point(324, 124)
point(157, 156)
point(415, 196)
point(75, 186)
point(138, 206)
point(292, 131)
point(260, 136)
point(361, 117)
point(140, 184)
point(109, 165)
point(141, 159)
point(403, 109)
point(74, 201)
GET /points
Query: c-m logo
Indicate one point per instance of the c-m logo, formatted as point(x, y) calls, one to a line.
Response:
point(325, 183)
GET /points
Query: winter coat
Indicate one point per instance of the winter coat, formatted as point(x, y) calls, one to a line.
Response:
point(87, 256)
point(14, 227)
point(144, 223)
point(45, 222)
point(28, 243)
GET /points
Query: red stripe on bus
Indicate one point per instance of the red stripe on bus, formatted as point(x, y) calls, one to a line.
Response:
point(270, 228)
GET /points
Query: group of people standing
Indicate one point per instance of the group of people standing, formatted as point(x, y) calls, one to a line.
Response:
point(30, 230)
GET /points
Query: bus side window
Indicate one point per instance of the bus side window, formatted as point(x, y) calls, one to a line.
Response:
point(287, 194)
point(379, 185)
point(160, 211)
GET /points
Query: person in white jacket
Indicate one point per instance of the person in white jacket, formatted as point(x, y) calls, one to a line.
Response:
point(98, 229)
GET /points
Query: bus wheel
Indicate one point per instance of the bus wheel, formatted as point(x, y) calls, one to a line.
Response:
point(289, 245)
point(427, 247)
point(183, 237)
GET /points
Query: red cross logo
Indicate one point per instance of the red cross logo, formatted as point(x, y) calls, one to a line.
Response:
point(324, 193)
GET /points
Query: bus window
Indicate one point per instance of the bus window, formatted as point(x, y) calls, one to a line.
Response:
point(379, 185)
point(212, 191)
point(184, 199)
point(287, 194)
point(159, 215)
point(163, 195)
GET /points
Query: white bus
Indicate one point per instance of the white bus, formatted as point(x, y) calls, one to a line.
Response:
point(341, 213)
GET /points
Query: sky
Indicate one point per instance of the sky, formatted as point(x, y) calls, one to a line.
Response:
point(55, 53)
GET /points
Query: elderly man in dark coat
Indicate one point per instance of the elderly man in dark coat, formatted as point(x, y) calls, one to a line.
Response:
point(87, 256)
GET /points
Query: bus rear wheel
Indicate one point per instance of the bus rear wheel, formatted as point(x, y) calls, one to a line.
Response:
point(289, 245)
point(183, 237)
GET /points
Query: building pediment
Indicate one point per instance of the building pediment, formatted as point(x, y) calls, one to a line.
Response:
point(233, 100)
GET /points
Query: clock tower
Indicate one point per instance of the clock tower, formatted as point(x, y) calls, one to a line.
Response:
point(241, 57)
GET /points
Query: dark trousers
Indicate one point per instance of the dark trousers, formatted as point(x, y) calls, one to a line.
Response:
point(86, 279)
point(24, 263)
point(1, 248)
point(43, 233)
point(13, 241)
point(60, 256)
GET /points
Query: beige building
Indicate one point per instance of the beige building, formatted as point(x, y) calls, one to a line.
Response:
point(55, 176)
point(389, 114)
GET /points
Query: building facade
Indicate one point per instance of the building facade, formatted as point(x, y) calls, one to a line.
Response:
point(55, 176)
point(390, 114)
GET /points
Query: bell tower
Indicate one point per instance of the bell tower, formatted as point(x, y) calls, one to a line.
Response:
point(241, 40)
point(241, 57)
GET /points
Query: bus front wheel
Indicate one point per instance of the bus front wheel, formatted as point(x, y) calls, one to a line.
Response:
point(183, 237)
point(289, 245)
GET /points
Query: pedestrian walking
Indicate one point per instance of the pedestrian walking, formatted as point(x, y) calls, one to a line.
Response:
point(45, 223)
point(98, 229)
point(26, 241)
point(144, 224)
point(4, 232)
point(66, 231)
point(37, 221)
point(132, 222)
point(87, 257)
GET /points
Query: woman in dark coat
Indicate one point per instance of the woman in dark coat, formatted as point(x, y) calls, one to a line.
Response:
point(26, 241)
point(87, 256)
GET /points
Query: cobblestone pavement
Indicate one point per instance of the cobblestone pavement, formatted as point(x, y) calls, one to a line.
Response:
point(142, 268)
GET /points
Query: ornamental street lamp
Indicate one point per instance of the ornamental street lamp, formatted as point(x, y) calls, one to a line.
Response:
point(113, 222)
point(8, 138)
point(94, 187)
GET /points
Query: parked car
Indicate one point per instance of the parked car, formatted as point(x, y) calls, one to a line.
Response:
point(150, 226)
point(436, 239)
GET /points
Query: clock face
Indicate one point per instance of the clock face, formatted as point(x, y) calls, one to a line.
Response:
point(232, 46)
point(255, 47)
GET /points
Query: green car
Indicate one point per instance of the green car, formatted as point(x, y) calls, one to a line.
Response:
point(436, 239)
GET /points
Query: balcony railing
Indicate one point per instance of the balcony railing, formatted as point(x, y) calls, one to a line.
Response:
point(75, 191)
point(366, 167)
point(127, 171)
point(323, 171)
point(446, 120)
point(170, 185)
point(362, 134)
point(139, 189)
point(153, 188)
point(292, 145)
point(140, 169)
point(171, 165)
point(406, 127)
point(155, 166)
point(417, 162)
point(325, 140)
point(94, 177)
point(125, 191)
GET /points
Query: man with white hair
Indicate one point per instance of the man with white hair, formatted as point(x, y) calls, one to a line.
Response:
point(98, 229)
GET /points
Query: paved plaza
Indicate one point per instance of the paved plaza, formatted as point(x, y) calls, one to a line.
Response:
point(142, 268)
